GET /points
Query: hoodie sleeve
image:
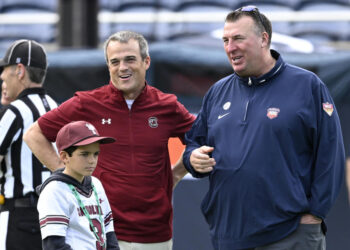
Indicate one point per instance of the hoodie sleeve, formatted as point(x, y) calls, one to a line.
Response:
point(56, 242)
point(329, 154)
point(112, 242)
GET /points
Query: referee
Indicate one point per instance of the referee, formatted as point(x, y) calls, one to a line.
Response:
point(23, 73)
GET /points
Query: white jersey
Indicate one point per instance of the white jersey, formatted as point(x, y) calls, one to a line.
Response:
point(61, 215)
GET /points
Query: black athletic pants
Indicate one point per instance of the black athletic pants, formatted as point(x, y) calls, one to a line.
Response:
point(23, 229)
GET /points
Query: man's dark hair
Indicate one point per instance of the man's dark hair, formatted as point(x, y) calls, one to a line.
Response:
point(36, 75)
point(262, 23)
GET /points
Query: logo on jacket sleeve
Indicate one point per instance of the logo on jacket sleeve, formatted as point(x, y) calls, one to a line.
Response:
point(272, 113)
point(153, 122)
point(328, 108)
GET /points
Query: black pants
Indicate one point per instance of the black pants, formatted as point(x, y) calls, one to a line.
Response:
point(23, 229)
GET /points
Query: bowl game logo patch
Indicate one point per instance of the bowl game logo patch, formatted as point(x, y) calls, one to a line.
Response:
point(328, 108)
point(272, 113)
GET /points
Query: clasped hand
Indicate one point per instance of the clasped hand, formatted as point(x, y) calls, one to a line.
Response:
point(201, 161)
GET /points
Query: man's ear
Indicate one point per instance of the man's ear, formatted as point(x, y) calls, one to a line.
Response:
point(264, 40)
point(20, 69)
point(147, 62)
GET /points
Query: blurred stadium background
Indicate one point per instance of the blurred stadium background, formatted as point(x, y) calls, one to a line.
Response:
point(187, 58)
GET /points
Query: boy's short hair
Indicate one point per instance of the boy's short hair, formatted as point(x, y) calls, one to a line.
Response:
point(70, 150)
point(79, 133)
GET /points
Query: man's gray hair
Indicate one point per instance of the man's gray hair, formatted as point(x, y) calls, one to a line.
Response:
point(124, 37)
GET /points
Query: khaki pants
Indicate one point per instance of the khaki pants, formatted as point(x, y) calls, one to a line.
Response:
point(306, 237)
point(167, 245)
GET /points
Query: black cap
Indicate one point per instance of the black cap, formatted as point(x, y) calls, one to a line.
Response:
point(27, 52)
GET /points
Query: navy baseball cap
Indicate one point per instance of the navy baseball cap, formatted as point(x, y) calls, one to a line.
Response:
point(28, 52)
point(79, 133)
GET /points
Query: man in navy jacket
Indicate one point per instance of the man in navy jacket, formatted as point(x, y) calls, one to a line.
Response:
point(269, 138)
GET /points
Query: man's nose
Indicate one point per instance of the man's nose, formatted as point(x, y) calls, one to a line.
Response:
point(123, 65)
point(231, 46)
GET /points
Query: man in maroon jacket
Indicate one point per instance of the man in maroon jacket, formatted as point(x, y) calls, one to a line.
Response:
point(135, 170)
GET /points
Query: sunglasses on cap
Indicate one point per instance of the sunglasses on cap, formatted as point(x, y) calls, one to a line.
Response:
point(253, 9)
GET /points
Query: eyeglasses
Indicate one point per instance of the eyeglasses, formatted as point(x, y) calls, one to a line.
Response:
point(255, 10)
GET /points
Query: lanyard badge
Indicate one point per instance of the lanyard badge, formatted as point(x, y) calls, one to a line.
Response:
point(101, 241)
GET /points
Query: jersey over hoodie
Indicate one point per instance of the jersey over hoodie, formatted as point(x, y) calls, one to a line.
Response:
point(61, 215)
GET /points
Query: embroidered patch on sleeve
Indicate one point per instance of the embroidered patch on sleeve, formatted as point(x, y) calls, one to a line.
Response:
point(328, 108)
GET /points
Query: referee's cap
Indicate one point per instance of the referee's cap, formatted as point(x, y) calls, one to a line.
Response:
point(79, 133)
point(27, 52)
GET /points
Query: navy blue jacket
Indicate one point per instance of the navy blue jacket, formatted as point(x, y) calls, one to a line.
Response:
point(279, 154)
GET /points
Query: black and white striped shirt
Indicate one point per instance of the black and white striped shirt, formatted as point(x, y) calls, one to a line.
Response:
point(20, 170)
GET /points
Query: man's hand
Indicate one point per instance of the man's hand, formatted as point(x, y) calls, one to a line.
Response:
point(201, 161)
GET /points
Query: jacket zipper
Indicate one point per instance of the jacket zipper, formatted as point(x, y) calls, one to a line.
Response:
point(132, 163)
point(246, 111)
point(247, 103)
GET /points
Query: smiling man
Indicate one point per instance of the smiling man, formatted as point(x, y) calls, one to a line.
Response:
point(135, 170)
point(269, 138)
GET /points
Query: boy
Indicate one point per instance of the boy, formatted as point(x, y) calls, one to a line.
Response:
point(73, 208)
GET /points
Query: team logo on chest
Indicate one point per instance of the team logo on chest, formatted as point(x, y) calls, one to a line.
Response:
point(153, 122)
point(226, 106)
point(272, 113)
point(328, 108)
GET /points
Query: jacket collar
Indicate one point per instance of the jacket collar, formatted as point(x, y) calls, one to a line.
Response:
point(119, 97)
point(251, 80)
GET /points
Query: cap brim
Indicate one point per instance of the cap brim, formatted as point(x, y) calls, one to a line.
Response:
point(100, 139)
